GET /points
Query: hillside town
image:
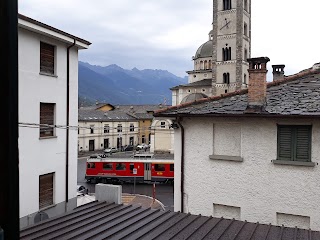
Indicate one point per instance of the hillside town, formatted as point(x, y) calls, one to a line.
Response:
point(236, 155)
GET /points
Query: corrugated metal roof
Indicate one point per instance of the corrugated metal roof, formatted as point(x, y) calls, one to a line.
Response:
point(100, 220)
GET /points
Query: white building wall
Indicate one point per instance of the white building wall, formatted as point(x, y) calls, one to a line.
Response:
point(41, 156)
point(263, 191)
point(98, 136)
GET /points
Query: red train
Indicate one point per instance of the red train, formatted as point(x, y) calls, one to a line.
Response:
point(140, 169)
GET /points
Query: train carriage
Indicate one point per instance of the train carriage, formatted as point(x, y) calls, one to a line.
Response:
point(127, 170)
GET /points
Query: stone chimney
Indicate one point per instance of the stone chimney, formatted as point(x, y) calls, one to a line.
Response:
point(257, 89)
point(278, 72)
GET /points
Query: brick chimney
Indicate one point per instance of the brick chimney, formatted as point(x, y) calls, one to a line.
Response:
point(257, 89)
point(278, 72)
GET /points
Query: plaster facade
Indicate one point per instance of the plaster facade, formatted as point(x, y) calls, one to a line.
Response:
point(38, 156)
point(162, 136)
point(99, 136)
point(255, 188)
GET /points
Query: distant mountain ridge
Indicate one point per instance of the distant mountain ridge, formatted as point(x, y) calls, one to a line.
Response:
point(116, 85)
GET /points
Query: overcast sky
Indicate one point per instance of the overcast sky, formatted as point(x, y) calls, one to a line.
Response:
point(165, 34)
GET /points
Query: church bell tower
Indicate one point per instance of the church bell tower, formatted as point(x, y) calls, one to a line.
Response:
point(231, 39)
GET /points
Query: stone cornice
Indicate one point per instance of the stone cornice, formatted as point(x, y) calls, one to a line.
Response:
point(221, 13)
point(224, 37)
point(226, 62)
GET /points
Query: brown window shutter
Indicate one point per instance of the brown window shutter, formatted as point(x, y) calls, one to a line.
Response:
point(45, 190)
point(46, 58)
point(46, 117)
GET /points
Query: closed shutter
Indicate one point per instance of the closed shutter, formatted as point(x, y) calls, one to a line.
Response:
point(47, 118)
point(303, 143)
point(285, 138)
point(45, 190)
point(46, 58)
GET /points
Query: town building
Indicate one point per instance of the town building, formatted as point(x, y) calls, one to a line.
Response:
point(252, 154)
point(220, 64)
point(103, 125)
point(48, 100)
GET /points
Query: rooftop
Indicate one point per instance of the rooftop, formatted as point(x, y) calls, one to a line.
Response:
point(101, 220)
point(295, 95)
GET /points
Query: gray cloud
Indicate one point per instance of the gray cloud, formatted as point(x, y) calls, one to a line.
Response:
point(165, 34)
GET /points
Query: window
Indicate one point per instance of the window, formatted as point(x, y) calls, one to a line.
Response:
point(120, 166)
point(91, 165)
point(131, 167)
point(171, 167)
point(119, 128)
point(226, 78)
point(45, 190)
point(163, 124)
point(245, 78)
point(246, 5)
point(226, 53)
point(131, 127)
point(245, 29)
point(294, 143)
point(91, 129)
point(106, 128)
point(226, 4)
point(107, 166)
point(159, 167)
point(245, 54)
point(46, 58)
point(47, 119)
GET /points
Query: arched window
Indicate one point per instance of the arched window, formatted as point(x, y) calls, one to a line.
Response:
point(201, 65)
point(226, 78)
point(245, 5)
point(210, 64)
point(205, 64)
point(226, 54)
point(245, 78)
point(226, 4)
point(245, 29)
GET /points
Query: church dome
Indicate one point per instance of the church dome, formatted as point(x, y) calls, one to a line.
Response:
point(193, 97)
point(205, 50)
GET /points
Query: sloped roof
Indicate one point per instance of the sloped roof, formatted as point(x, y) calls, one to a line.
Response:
point(117, 113)
point(204, 82)
point(295, 95)
point(100, 220)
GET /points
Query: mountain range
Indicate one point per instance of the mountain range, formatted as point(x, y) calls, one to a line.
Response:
point(115, 85)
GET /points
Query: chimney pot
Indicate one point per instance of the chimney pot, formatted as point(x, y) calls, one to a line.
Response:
point(257, 81)
point(278, 72)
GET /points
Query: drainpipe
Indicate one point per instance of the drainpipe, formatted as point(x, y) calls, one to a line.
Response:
point(182, 162)
point(67, 125)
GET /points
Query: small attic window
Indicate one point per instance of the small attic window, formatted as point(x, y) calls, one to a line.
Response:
point(188, 90)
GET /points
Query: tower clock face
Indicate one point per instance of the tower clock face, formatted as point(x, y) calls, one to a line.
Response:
point(225, 25)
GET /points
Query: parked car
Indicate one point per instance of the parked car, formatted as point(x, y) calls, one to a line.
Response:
point(142, 146)
point(128, 148)
point(111, 150)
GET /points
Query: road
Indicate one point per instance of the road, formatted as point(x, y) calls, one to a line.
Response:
point(163, 192)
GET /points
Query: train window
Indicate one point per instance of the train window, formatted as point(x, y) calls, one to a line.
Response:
point(159, 167)
point(171, 167)
point(120, 166)
point(107, 166)
point(91, 165)
point(131, 167)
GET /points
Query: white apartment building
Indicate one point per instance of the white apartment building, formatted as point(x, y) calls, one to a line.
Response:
point(48, 100)
point(253, 154)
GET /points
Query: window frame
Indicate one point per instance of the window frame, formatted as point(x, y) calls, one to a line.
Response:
point(131, 127)
point(44, 129)
point(44, 51)
point(44, 203)
point(106, 128)
point(294, 142)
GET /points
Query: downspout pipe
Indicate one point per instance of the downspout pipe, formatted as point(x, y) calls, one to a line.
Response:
point(182, 162)
point(68, 120)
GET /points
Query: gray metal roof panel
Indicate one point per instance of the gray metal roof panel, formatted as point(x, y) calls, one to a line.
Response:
point(99, 220)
